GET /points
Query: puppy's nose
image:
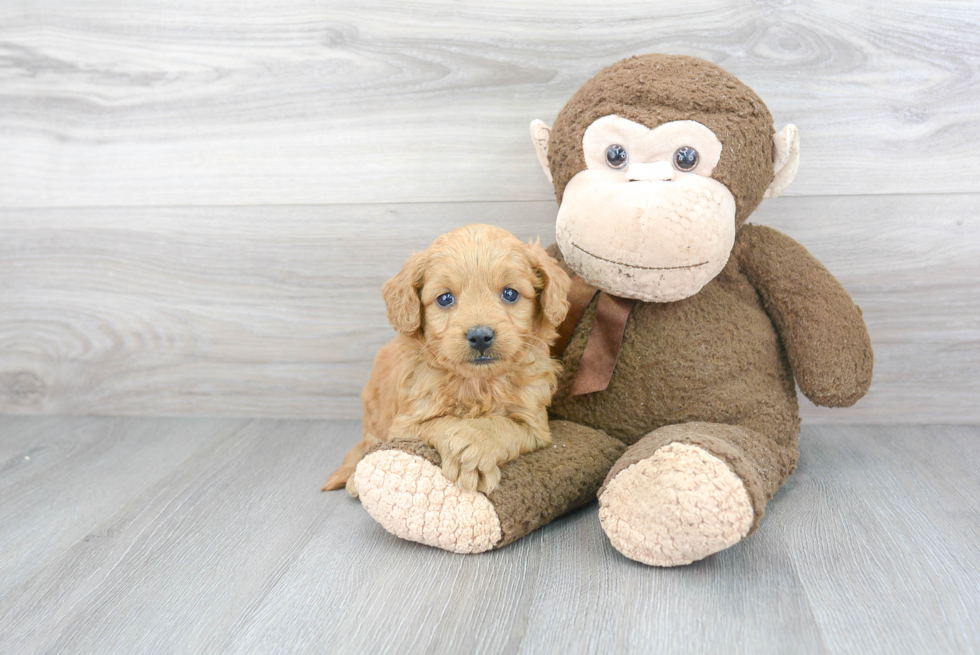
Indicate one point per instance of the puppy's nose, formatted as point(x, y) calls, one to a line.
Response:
point(480, 337)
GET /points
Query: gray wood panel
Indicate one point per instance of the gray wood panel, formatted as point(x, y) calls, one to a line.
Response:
point(173, 102)
point(275, 311)
point(871, 547)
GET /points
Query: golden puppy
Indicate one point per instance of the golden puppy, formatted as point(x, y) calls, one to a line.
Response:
point(470, 373)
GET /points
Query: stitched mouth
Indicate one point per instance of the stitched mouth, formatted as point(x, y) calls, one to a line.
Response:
point(642, 268)
point(482, 360)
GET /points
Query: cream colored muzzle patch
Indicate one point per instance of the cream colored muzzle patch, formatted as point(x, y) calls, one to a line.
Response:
point(655, 241)
point(676, 507)
point(413, 500)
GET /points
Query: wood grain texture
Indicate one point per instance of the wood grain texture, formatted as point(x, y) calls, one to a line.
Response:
point(871, 547)
point(901, 514)
point(173, 102)
point(276, 311)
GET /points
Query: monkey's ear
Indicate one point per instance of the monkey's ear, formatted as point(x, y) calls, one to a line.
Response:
point(555, 284)
point(787, 144)
point(401, 294)
point(540, 135)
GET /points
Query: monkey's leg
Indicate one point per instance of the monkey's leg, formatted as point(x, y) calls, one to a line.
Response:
point(401, 485)
point(686, 491)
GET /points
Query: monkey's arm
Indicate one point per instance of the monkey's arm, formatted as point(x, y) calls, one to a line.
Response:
point(826, 340)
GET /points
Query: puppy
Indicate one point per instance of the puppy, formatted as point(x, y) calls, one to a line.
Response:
point(470, 372)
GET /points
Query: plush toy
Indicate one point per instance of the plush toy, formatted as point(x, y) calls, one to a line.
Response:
point(688, 332)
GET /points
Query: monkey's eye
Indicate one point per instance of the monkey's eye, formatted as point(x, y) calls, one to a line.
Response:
point(509, 295)
point(616, 156)
point(686, 159)
point(446, 300)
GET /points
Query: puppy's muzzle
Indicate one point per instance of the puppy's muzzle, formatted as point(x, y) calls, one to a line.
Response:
point(480, 338)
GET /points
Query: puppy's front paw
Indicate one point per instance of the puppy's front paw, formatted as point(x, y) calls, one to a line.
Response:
point(472, 459)
point(469, 475)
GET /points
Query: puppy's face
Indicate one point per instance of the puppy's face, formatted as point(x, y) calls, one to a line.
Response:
point(479, 299)
point(478, 307)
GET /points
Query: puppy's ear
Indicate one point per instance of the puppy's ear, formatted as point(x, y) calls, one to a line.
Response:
point(555, 284)
point(401, 294)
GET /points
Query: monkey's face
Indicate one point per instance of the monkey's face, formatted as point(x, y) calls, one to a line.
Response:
point(645, 219)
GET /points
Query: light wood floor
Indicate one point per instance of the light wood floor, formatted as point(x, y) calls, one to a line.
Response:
point(126, 535)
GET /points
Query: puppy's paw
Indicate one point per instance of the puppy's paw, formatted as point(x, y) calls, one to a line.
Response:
point(489, 480)
point(351, 487)
point(469, 477)
point(472, 457)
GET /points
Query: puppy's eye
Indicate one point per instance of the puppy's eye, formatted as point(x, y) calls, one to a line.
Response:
point(616, 156)
point(446, 300)
point(509, 295)
point(686, 159)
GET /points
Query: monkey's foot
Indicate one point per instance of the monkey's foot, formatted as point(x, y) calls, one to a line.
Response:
point(674, 507)
point(409, 496)
point(402, 487)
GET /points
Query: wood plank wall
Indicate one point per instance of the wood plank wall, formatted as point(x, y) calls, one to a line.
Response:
point(199, 201)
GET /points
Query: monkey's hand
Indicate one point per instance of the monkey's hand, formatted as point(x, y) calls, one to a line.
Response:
point(826, 341)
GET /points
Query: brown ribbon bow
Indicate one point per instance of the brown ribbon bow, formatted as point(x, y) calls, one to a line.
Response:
point(602, 349)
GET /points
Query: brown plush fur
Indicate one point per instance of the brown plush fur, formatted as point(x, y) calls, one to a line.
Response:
point(717, 370)
point(538, 487)
point(426, 383)
point(727, 356)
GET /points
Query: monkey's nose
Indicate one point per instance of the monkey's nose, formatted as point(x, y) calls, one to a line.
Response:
point(660, 170)
point(480, 337)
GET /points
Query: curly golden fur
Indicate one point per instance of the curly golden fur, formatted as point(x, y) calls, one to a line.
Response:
point(479, 411)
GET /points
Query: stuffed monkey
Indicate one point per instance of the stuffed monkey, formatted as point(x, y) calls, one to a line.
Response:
point(688, 333)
